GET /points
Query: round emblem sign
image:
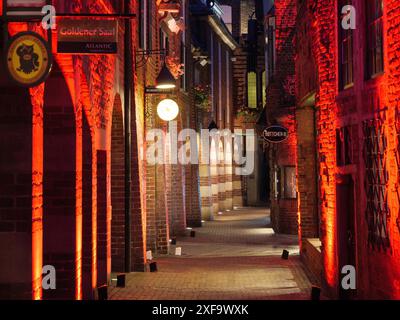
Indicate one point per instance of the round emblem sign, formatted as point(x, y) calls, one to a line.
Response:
point(275, 134)
point(29, 59)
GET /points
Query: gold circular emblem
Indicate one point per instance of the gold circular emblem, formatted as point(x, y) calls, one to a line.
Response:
point(29, 59)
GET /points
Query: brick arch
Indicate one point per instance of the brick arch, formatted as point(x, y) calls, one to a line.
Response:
point(16, 193)
point(117, 188)
point(59, 186)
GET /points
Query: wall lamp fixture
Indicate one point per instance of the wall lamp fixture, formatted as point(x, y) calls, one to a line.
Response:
point(165, 79)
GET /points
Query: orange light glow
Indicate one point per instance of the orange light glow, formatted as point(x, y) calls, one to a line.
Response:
point(37, 191)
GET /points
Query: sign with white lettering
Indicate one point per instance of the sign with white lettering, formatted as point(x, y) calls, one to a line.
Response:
point(275, 134)
point(87, 36)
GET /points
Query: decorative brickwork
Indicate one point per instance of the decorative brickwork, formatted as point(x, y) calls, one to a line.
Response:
point(306, 77)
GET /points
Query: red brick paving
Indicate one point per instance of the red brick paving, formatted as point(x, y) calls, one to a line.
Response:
point(235, 257)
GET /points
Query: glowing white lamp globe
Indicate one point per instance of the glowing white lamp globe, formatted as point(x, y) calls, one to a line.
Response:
point(167, 109)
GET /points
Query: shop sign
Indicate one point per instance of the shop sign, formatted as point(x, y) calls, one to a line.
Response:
point(87, 36)
point(28, 59)
point(275, 134)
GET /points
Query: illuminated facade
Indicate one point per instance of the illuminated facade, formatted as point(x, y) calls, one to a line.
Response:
point(355, 104)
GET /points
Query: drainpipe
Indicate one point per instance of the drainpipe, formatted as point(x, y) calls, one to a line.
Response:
point(128, 135)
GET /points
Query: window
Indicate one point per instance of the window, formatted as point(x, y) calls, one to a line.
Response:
point(376, 179)
point(263, 88)
point(374, 37)
point(227, 16)
point(271, 47)
point(252, 90)
point(183, 61)
point(164, 41)
point(345, 50)
point(343, 147)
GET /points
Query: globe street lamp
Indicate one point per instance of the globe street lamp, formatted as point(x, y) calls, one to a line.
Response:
point(167, 109)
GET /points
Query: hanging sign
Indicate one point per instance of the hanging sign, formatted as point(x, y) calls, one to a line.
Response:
point(17, 5)
point(87, 36)
point(26, 3)
point(275, 134)
point(29, 59)
point(24, 7)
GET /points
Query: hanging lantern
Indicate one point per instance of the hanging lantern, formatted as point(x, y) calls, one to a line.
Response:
point(165, 79)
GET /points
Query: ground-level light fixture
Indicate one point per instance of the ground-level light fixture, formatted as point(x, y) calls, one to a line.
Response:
point(167, 109)
point(165, 79)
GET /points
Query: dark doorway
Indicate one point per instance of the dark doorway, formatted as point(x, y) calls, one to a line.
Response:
point(264, 179)
point(346, 228)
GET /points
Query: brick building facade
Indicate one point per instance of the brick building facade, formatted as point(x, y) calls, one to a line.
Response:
point(66, 163)
point(356, 113)
point(279, 26)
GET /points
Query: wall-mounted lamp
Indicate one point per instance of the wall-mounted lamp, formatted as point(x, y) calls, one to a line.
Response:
point(165, 79)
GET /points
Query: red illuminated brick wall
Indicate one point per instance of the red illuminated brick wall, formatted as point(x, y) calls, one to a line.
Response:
point(324, 50)
point(377, 269)
point(305, 126)
point(118, 189)
point(75, 197)
point(281, 110)
point(87, 210)
point(157, 226)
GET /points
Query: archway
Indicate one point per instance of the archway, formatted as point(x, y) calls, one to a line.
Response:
point(59, 186)
point(117, 189)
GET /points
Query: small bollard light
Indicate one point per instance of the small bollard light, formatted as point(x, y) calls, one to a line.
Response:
point(153, 267)
point(193, 234)
point(121, 280)
point(285, 255)
point(102, 292)
point(315, 293)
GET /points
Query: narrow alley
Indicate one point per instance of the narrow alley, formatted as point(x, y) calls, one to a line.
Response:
point(199, 150)
point(235, 257)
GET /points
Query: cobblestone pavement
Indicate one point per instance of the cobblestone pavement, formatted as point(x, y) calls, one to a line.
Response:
point(235, 257)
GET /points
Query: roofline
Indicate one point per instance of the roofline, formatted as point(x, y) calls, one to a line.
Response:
point(222, 31)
